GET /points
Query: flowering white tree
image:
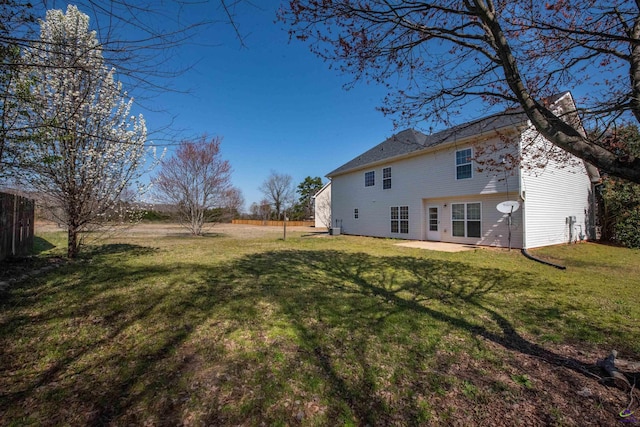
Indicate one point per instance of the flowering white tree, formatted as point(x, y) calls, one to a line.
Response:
point(138, 38)
point(14, 18)
point(84, 147)
point(8, 114)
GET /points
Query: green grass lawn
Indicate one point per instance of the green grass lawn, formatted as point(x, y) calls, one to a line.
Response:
point(315, 331)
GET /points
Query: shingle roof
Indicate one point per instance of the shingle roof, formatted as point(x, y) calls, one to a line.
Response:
point(410, 140)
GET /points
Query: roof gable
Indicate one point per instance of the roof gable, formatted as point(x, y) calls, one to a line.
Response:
point(324, 187)
point(412, 141)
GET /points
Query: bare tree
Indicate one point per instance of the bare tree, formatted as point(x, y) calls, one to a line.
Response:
point(278, 190)
point(264, 210)
point(254, 210)
point(437, 56)
point(232, 204)
point(261, 211)
point(196, 180)
point(84, 148)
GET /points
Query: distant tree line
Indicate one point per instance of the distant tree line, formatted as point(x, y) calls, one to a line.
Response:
point(280, 198)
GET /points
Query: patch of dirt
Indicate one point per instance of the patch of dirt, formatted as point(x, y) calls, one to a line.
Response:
point(530, 391)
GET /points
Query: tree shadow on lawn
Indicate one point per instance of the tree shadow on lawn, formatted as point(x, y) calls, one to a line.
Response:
point(41, 245)
point(93, 251)
point(15, 267)
point(275, 337)
point(360, 296)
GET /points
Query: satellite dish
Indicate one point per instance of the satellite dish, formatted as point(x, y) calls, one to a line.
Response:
point(509, 206)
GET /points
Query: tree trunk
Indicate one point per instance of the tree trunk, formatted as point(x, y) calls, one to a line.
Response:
point(613, 366)
point(72, 245)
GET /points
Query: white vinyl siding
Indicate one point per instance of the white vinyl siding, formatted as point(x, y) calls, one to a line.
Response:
point(415, 179)
point(494, 225)
point(431, 178)
point(322, 207)
point(559, 190)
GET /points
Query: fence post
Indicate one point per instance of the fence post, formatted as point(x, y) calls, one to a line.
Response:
point(13, 224)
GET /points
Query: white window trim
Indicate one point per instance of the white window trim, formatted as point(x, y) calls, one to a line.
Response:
point(466, 231)
point(384, 180)
point(399, 220)
point(373, 172)
point(455, 162)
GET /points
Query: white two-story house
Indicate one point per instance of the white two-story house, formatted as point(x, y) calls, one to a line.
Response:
point(450, 186)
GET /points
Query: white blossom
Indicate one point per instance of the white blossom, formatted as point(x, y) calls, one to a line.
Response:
point(85, 147)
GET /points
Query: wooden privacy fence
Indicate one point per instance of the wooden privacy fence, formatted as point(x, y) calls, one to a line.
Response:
point(16, 225)
point(273, 223)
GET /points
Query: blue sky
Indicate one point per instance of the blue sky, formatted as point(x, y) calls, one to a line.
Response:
point(275, 104)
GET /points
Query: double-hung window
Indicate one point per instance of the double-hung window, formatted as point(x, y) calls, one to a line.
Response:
point(395, 216)
point(404, 219)
point(370, 179)
point(356, 214)
point(386, 178)
point(463, 163)
point(466, 219)
point(400, 219)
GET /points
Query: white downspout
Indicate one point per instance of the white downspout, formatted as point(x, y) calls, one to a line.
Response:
point(522, 194)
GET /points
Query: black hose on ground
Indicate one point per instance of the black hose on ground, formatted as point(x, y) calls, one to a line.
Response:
point(531, 257)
